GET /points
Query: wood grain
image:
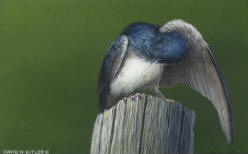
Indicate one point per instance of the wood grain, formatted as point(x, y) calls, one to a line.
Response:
point(144, 125)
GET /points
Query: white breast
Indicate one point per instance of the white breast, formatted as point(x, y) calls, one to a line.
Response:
point(136, 73)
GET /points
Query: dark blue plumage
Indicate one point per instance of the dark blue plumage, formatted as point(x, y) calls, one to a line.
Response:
point(147, 42)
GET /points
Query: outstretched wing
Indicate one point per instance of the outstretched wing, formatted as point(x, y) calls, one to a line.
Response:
point(200, 71)
point(110, 68)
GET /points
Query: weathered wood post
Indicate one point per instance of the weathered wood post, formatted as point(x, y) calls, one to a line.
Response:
point(144, 125)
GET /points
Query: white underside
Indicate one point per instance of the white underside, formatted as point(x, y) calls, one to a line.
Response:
point(136, 73)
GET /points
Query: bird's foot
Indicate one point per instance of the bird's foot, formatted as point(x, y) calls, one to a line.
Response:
point(169, 100)
point(133, 97)
point(159, 94)
point(137, 95)
point(125, 99)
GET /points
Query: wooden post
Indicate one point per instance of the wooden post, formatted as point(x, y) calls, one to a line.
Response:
point(144, 125)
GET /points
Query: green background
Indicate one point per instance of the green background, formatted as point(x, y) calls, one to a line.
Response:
point(51, 52)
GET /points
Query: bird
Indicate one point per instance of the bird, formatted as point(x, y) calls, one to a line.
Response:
point(152, 56)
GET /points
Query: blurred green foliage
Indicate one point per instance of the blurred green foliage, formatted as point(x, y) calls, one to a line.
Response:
point(51, 52)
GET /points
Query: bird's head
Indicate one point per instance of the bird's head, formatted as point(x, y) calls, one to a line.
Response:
point(148, 41)
point(142, 36)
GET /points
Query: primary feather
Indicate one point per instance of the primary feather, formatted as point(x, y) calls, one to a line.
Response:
point(200, 71)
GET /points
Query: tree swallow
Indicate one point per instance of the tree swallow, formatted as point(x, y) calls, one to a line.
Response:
point(149, 56)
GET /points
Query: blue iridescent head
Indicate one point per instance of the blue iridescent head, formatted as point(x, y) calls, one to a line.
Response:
point(147, 42)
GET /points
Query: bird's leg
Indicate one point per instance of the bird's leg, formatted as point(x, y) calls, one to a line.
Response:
point(159, 94)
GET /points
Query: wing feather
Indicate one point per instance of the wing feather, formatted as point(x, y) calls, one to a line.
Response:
point(110, 68)
point(200, 71)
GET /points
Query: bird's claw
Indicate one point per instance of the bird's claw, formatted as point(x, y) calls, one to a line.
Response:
point(133, 97)
point(124, 98)
point(169, 100)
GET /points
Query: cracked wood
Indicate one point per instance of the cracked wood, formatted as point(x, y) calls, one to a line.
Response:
point(144, 125)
